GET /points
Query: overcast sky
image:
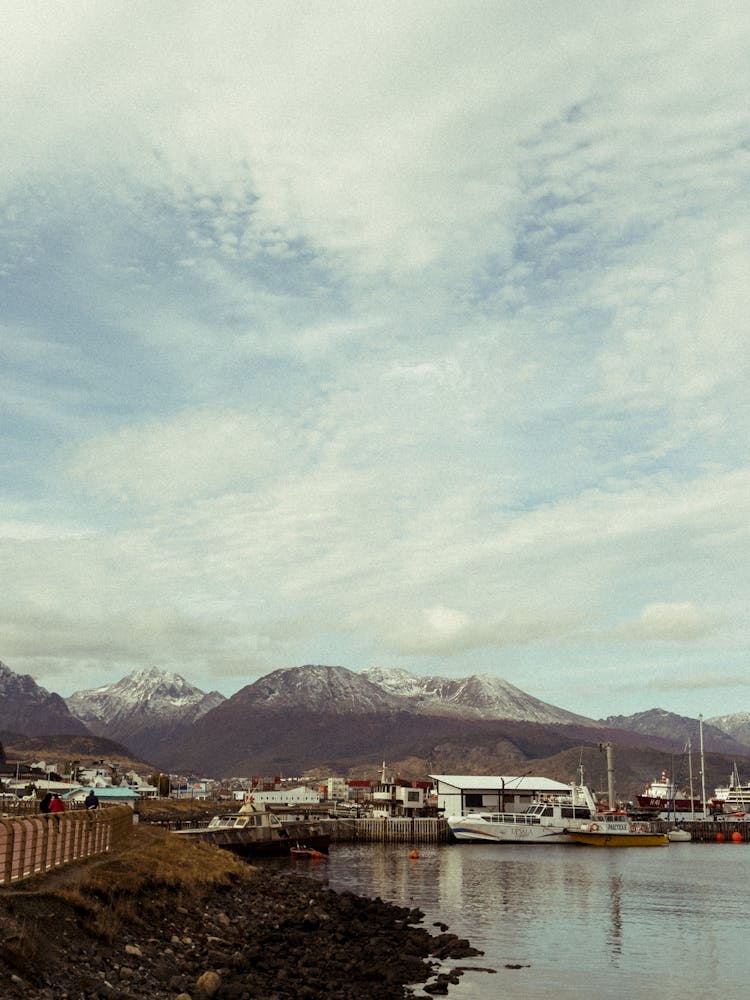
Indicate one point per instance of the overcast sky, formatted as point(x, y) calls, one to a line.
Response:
point(401, 334)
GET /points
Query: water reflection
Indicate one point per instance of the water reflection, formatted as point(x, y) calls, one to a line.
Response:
point(615, 936)
point(555, 921)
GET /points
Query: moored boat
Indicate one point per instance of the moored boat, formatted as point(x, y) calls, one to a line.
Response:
point(677, 836)
point(546, 821)
point(663, 796)
point(299, 851)
point(618, 830)
point(614, 828)
point(255, 830)
point(733, 798)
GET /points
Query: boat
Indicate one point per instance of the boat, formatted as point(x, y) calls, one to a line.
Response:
point(546, 821)
point(254, 830)
point(617, 829)
point(614, 828)
point(299, 851)
point(664, 797)
point(677, 836)
point(732, 799)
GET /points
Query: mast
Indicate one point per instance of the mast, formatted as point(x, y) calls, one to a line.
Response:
point(610, 776)
point(703, 766)
point(690, 772)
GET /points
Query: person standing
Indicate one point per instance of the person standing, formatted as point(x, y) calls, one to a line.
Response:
point(57, 806)
point(45, 804)
point(91, 801)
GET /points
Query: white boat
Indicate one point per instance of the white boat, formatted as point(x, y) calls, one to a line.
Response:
point(546, 821)
point(733, 798)
point(676, 836)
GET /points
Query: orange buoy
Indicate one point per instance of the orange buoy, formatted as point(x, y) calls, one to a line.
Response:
point(719, 838)
point(413, 854)
point(736, 837)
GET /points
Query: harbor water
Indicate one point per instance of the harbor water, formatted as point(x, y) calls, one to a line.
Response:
point(569, 921)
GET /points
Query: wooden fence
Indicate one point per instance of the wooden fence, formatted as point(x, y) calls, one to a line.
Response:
point(30, 845)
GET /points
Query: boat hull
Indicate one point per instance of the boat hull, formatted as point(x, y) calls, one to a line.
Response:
point(659, 804)
point(263, 841)
point(602, 839)
point(679, 836)
point(467, 831)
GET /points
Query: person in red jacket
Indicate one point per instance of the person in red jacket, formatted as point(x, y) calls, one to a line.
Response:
point(57, 806)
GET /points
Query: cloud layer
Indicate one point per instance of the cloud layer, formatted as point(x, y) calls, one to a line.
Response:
point(359, 335)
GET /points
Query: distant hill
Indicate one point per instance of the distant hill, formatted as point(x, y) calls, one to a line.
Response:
point(658, 722)
point(331, 720)
point(340, 722)
point(27, 708)
point(737, 725)
point(86, 749)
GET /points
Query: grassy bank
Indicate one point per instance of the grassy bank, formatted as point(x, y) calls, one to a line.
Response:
point(165, 918)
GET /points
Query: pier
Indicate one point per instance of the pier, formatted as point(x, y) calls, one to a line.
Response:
point(421, 830)
point(710, 831)
point(391, 829)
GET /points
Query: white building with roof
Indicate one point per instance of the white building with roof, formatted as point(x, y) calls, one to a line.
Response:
point(462, 794)
point(299, 796)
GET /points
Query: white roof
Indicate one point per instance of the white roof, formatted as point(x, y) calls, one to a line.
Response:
point(496, 782)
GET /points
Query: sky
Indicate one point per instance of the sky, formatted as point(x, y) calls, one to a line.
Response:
point(410, 334)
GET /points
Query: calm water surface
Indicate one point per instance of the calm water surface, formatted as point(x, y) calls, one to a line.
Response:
point(668, 922)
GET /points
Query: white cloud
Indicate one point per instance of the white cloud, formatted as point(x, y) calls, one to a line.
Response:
point(669, 622)
point(358, 329)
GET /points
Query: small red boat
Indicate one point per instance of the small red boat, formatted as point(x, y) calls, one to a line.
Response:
point(305, 852)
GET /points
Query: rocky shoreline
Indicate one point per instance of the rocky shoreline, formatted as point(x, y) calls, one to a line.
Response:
point(245, 934)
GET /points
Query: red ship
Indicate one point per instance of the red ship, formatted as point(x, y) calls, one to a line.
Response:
point(662, 796)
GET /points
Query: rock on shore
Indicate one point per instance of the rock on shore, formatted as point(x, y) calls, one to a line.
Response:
point(244, 935)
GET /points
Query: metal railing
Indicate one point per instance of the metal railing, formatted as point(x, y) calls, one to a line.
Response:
point(31, 845)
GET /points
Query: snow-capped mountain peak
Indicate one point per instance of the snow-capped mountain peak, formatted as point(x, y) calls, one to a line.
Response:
point(322, 688)
point(480, 696)
point(143, 698)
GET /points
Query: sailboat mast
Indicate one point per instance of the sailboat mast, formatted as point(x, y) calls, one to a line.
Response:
point(703, 767)
point(690, 772)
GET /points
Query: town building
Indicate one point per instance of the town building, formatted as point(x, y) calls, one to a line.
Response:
point(461, 794)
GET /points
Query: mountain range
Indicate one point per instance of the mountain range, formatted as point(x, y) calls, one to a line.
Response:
point(144, 710)
point(329, 719)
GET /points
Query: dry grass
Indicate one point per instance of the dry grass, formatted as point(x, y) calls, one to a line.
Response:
point(157, 858)
point(126, 886)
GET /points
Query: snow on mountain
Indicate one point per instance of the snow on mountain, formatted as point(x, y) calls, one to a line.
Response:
point(736, 724)
point(322, 689)
point(479, 696)
point(142, 699)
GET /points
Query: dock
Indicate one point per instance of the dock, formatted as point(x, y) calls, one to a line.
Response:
point(391, 830)
point(710, 831)
point(424, 830)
